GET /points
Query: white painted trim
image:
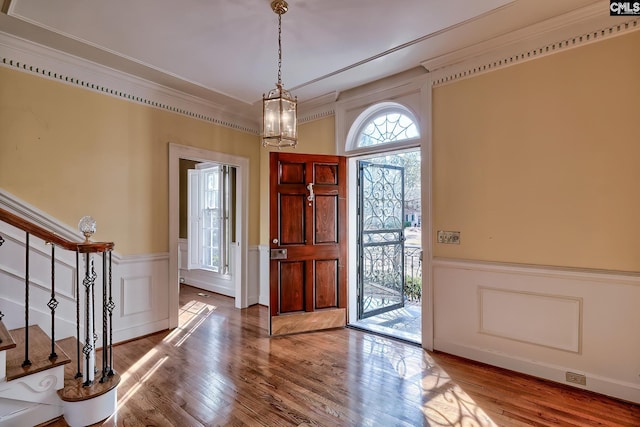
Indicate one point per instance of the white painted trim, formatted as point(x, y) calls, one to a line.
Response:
point(33, 58)
point(583, 27)
point(177, 152)
point(598, 383)
point(591, 331)
point(264, 252)
point(415, 95)
point(89, 412)
point(349, 109)
point(605, 277)
point(427, 214)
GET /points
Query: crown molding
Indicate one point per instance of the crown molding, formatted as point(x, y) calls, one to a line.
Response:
point(577, 28)
point(317, 108)
point(33, 58)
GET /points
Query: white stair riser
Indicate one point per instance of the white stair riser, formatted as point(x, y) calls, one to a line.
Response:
point(29, 414)
point(87, 412)
point(40, 387)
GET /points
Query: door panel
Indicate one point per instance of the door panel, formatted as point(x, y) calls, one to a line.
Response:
point(381, 237)
point(326, 272)
point(291, 287)
point(292, 224)
point(309, 222)
point(326, 230)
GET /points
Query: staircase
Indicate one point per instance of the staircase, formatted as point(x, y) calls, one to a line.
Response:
point(43, 379)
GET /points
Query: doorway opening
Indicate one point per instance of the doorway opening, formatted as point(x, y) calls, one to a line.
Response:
point(238, 253)
point(389, 245)
point(208, 226)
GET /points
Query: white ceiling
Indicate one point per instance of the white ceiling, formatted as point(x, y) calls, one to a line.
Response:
point(226, 50)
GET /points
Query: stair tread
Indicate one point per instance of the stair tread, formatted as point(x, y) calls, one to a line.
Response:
point(73, 390)
point(39, 351)
point(6, 340)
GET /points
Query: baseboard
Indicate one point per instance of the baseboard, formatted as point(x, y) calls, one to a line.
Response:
point(542, 321)
point(607, 386)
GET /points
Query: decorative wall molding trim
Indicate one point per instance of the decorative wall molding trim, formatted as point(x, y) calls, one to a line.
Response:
point(32, 58)
point(544, 39)
point(317, 115)
point(605, 277)
point(543, 321)
point(515, 315)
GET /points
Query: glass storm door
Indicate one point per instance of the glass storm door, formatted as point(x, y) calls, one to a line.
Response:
point(381, 239)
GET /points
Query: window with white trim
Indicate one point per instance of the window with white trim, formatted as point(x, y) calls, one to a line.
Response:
point(209, 228)
point(381, 124)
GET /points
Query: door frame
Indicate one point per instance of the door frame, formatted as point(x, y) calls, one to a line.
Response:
point(240, 274)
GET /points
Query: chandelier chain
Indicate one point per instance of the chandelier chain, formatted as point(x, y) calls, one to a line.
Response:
point(279, 49)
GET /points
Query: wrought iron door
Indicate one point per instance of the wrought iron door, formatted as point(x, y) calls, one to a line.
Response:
point(381, 239)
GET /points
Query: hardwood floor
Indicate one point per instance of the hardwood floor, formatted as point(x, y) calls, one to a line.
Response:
point(220, 368)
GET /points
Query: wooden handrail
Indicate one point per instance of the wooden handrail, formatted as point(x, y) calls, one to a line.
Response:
point(50, 237)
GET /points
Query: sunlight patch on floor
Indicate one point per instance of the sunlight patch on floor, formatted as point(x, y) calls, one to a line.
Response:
point(148, 374)
point(453, 407)
point(446, 403)
point(190, 317)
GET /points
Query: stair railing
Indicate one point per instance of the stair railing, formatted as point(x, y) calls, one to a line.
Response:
point(87, 249)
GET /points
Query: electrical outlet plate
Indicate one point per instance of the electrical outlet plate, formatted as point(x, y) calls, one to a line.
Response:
point(572, 377)
point(450, 237)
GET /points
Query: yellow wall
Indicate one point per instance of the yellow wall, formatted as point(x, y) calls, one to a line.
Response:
point(72, 152)
point(316, 137)
point(539, 163)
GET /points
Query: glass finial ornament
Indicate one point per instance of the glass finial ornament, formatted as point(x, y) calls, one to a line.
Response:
point(87, 227)
point(279, 108)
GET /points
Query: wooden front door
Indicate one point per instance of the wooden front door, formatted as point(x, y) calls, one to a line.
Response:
point(308, 268)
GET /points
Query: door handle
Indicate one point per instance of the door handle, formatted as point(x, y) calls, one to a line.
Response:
point(311, 196)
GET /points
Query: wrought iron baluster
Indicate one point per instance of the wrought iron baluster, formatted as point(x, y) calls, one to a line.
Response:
point(79, 360)
point(110, 306)
point(26, 362)
point(53, 303)
point(105, 355)
point(88, 282)
point(93, 315)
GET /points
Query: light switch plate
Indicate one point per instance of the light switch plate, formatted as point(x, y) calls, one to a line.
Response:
point(450, 237)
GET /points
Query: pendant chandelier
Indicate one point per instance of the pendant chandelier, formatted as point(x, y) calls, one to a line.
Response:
point(279, 108)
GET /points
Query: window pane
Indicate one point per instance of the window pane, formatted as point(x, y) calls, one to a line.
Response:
point(386, 128)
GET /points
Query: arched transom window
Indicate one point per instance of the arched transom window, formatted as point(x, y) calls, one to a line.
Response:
point(385, 123)
point(388, 127)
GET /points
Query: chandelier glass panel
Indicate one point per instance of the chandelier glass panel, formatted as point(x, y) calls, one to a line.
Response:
point(279, 108)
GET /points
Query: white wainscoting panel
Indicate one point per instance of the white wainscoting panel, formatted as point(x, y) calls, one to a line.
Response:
point(136, 295)
point(546, 320)
point(142, 304)
point(543, 321)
